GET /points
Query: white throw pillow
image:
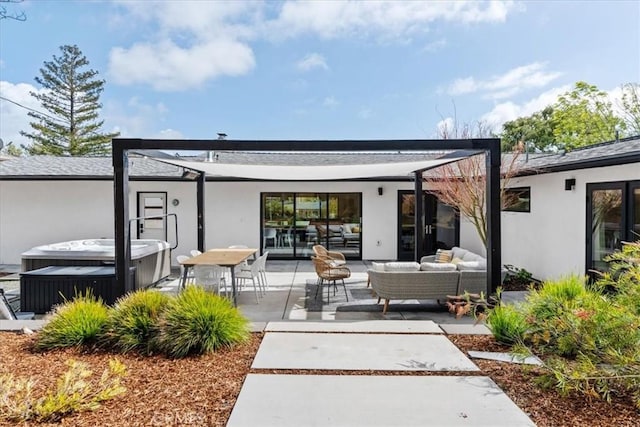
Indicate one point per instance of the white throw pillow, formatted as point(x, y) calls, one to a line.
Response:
point(402, 266)
point(472, 265)
point(437, 266)
point(346, 228)
point(377, 266)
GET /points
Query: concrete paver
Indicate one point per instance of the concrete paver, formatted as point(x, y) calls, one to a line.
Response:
point(355, 400)
point(388, 352)
point(464, 329)
point(371, 326)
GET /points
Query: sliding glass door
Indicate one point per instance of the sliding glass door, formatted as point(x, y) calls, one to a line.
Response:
point(293, 222)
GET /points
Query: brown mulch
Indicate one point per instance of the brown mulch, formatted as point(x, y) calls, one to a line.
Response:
point(202, 390)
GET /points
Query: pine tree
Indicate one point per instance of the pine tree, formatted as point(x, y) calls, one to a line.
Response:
point(71, 98)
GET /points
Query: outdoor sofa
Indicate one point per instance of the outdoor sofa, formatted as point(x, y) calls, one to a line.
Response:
point(465, 272)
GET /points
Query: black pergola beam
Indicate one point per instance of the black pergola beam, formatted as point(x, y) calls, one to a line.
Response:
point(418, 214)
point(303, 145)
point(200, 198)
point(121, 146)
point(494, 211)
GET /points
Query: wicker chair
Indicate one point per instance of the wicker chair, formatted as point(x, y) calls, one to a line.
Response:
point(322, 252)
point(329, 272)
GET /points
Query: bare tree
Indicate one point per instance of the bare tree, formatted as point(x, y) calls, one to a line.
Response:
point(6, 14)
point(462, 185)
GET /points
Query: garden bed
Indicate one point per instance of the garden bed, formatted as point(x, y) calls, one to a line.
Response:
point(201, 390)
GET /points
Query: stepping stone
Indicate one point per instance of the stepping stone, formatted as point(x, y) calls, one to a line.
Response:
point(462, 329)
point(506, 357)
point(375, 326)
point(357, 400)
point(402, 352)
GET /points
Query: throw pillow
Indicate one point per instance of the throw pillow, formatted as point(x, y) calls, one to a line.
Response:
point(437, 266)
point(402, 266)
point(347, 228)
point(443, 255)
point(355, 229)
point(456, 260)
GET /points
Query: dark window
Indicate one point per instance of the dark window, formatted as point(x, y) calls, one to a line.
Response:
point(517, 199)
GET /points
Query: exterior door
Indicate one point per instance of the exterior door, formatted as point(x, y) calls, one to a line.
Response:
point(152, 226)
point(613, 216)
point(442, 225)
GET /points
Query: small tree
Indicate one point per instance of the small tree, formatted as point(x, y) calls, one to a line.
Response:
point(631, 107)
point(462, 185)
point(71, 98)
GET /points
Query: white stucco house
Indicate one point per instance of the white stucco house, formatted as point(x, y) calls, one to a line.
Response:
point(576, 207)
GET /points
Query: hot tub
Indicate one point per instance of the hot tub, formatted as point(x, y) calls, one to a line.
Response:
point(151, 258)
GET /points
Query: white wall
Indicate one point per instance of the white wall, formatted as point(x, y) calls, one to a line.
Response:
point(550, 241)
point(233, 212)
point(34, 213)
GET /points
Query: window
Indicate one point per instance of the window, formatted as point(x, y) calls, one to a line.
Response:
point(517, 199)
point(293, 222)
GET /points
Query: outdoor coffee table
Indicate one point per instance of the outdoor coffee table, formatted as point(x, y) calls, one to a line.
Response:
point(226, 257)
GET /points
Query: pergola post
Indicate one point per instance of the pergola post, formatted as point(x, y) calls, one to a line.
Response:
point(200, 197)
point(419, 216)
point(122, 231)
point(494, 211)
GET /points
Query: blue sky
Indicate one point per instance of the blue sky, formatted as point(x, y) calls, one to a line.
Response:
point(319, 70)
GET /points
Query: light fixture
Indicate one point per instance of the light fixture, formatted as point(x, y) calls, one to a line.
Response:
point(569, 184)
point(175, 202)
point(380, 191)
point(190, 174)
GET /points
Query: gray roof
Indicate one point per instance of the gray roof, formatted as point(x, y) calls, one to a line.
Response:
point(29, 167)
point(622, 151)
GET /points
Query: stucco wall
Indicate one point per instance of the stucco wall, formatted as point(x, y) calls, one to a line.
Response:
point(34, 213)
point(550, 241)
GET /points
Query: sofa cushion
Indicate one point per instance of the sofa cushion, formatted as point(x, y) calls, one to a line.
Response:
point(401, 266)
point(443, 255)
point(472, 265)
point(377, 266)
point(346, 228)
point(437, 266)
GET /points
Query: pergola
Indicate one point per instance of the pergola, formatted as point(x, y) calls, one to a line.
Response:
point(457, 149)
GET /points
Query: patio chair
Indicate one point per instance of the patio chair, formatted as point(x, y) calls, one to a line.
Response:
point(190, 277)
point(331, 274)
point(336, 257)
point(252, 274)
point(211, 278)
point(270, 234)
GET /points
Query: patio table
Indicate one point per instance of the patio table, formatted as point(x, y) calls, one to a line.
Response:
point(226, 257)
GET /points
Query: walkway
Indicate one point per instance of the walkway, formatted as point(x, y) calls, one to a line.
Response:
point(377, 375)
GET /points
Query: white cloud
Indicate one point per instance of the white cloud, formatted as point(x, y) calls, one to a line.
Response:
point(385, 19)
point(330, 101)
point(311, 61)
point(188, 43)
point(14, 118)
point(507, 111)
point(169, 67)
point(508, 84)
point(137, 119)
point(435, 46)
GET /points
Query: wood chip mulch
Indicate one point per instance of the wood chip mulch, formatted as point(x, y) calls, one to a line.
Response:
point(202, 390)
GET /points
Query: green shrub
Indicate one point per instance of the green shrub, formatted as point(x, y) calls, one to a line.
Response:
point(76, 322)
point(133, 320)
point(75, 391)
point(507, 324)
point(197, 322)
point(556, 296)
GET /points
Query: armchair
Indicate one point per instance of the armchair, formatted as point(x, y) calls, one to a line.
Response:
point(327, 271)
point(336, 257)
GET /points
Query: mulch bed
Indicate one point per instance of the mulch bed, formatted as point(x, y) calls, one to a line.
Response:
point(202, 390)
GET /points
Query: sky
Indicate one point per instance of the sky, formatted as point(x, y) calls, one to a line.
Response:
point(318, 69)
